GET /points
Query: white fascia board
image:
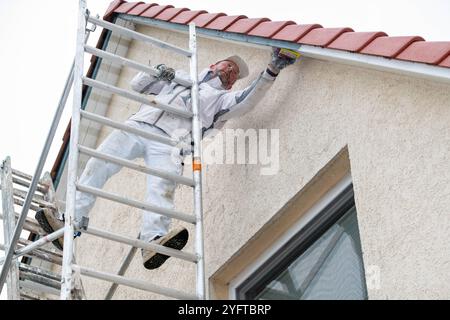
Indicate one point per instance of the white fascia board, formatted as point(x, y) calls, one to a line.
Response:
point(414, 69)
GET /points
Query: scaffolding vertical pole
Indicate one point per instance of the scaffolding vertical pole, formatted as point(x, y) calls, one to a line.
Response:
point(197, 165)
point(67, 275)
point(9, 221)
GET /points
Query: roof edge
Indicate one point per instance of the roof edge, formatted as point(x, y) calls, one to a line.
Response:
point(404, 67)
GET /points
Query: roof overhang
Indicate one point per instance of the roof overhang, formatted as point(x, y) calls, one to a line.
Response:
point(413, 69)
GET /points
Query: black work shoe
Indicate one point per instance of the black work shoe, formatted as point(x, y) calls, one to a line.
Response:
point(176, 239)
point(50, 224)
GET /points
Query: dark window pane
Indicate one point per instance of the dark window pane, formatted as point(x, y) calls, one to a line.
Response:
point(331, 268)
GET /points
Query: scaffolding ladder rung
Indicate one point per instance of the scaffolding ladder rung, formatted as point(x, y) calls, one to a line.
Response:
point(40, 254)
point(56, 252)
point(24, 183)
point(34, 245)
point(22, 175)
point(130, 63)
point(137, 284)
point(141, 244)
point(28, 177)
point(137, 204)
point(27, 295)
point(137, 167)
point(35, 198)
point(138, 36)
point(42, 241)
point(39, 271)
point(30, 224)
point(27, 275)
point(21, 203)
point(37, 287)
point(117, 125)
point(136, 97)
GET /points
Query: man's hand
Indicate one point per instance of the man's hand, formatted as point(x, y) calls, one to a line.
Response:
point(165, 73)
point(281, 58)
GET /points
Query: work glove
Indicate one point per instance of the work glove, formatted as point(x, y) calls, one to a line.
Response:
point(280, 60)
point(165, 73)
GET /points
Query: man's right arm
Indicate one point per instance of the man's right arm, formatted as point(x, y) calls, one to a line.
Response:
point(147, 84)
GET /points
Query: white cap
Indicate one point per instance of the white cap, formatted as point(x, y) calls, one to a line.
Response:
point(243, 68)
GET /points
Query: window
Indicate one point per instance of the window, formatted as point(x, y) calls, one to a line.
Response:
point(322, 261)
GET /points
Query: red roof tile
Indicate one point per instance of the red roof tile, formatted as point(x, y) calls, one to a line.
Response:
point(205, 18)
point(127, 6)
point(294, 32)
point(141, 8)
point(221, 23)
point(410, 48)
point(269, 28)
point(187, 16)
point(389, 46)
point(245, 25)
point(426, 52)
point(445, 62)
point(111, 9)
point(170, 13)
point(154, 11)
point(354, 41)
point(322, 36)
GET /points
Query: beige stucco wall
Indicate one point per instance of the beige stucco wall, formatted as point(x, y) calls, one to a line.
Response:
point(397, 133)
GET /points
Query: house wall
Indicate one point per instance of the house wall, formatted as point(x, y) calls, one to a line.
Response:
point(396, 135)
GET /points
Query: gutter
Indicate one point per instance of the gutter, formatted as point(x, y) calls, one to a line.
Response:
point(408, 68)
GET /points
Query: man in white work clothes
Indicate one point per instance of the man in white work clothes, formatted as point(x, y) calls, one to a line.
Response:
point(217, 104)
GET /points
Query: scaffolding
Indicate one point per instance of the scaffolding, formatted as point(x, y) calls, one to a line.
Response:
point(68, 284)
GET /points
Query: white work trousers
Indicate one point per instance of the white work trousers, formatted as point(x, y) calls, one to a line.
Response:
point(160, 192)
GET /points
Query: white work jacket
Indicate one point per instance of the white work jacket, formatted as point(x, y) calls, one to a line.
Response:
point(216, 105)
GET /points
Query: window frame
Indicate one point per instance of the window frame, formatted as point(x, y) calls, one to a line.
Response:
point(297, 240)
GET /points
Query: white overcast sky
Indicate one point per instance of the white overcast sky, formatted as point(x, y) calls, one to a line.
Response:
point(38, 42)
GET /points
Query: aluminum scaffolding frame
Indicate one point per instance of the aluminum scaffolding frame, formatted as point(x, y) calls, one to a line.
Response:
point(70, 276)
point(30, 200)
point(25, 281)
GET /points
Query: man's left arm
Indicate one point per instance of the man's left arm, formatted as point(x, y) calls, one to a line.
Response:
point(237, 103)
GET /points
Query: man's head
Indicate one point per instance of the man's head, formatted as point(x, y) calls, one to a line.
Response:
point(230, 70)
